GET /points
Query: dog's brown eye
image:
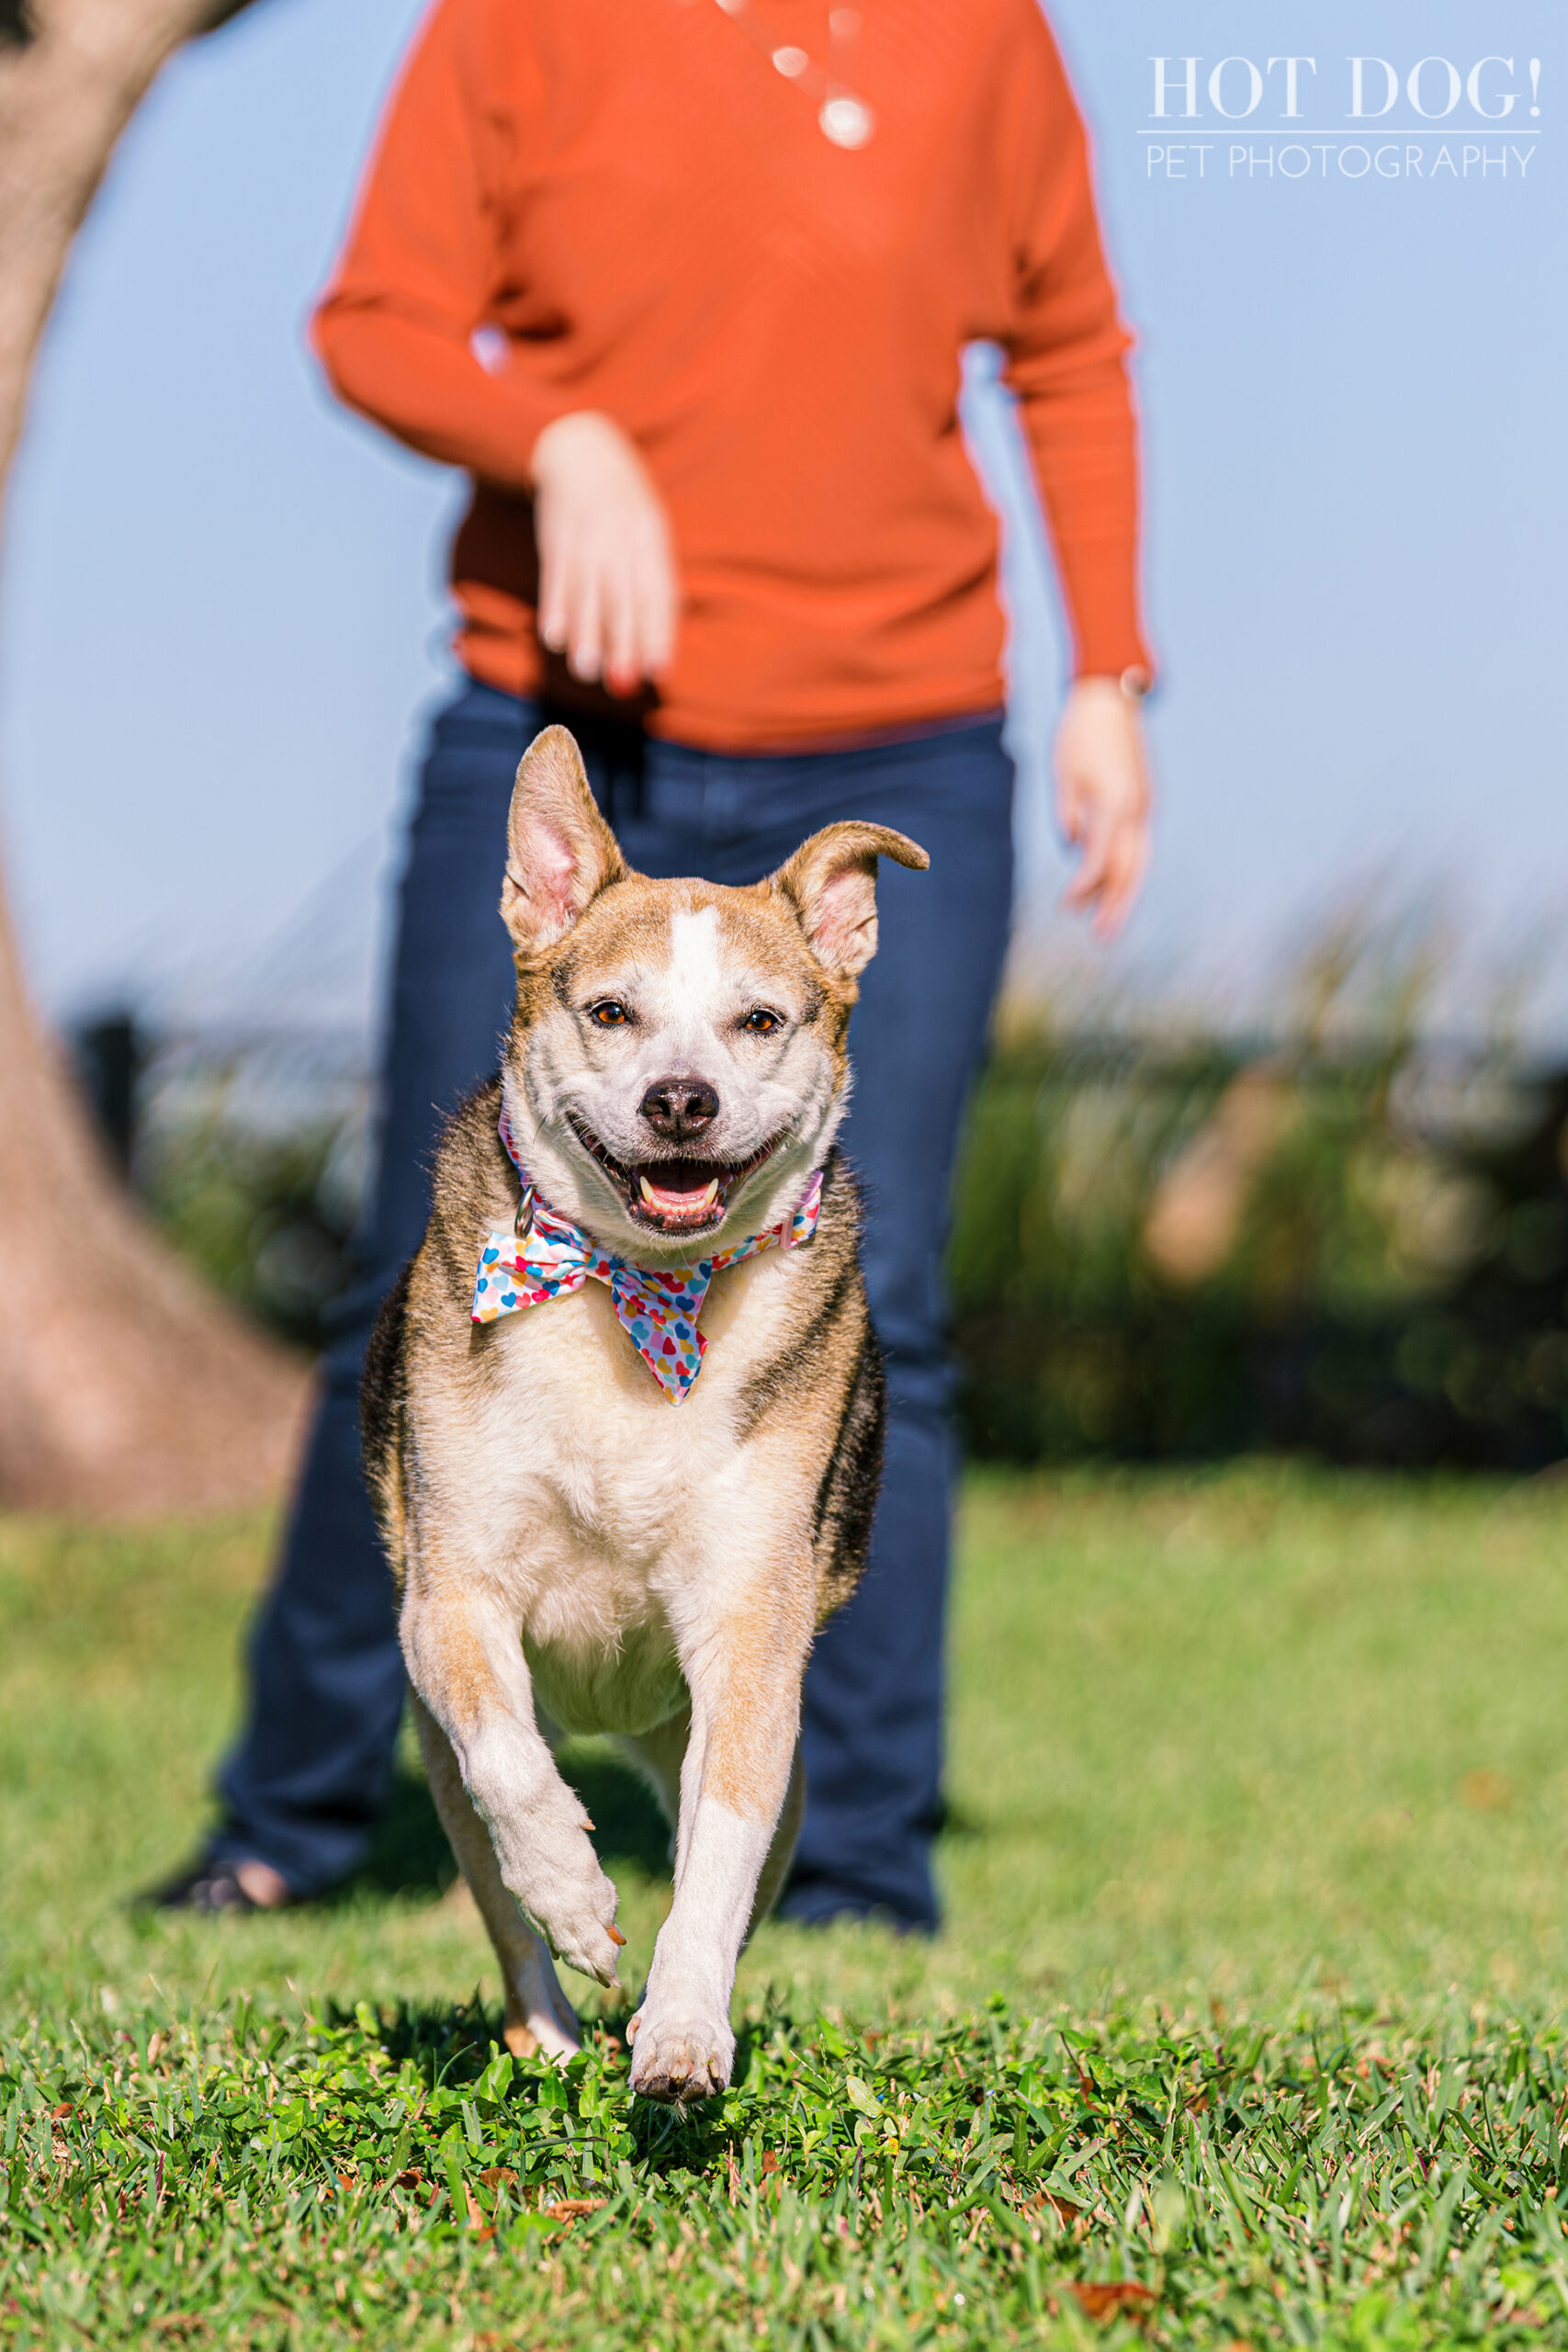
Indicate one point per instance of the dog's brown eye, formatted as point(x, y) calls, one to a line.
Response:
point(761, 1022)
point(610, 1014)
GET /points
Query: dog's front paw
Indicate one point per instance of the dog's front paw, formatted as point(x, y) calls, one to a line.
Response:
point(577, 1919)
point(680, 2059)
point(569, 1899)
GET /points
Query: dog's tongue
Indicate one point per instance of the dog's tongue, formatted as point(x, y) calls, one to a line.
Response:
point(681, 1194)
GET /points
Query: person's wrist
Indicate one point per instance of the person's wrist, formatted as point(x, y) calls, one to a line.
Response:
point(560, 438)
point(1128, 685)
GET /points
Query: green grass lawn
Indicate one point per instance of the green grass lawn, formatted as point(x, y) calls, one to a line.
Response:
point(1246, 2027)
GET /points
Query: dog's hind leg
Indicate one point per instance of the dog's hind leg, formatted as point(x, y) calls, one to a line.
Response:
point(657, 1756)
point(539, 2015)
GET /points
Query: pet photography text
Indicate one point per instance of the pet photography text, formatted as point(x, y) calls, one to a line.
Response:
point(1360, 117)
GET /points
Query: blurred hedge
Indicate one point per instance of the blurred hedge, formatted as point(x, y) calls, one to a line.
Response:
point(1352, 1249)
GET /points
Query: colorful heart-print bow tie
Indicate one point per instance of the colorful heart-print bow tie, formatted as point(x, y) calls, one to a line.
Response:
point(658, 1308)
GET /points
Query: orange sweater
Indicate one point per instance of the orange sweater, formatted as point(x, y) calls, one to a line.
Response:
point(648, 210)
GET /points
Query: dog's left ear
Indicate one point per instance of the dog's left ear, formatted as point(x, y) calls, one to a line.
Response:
point(559, 852)
point(831, 880)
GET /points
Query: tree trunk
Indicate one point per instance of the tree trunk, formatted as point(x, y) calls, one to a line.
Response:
point(124, 1386)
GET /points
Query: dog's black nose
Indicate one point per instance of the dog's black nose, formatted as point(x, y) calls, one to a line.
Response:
point(679, 1107)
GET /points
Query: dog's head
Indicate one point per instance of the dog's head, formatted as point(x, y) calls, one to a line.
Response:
point(678, 1062)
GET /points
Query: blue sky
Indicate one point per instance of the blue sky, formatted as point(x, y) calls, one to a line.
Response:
point(222, 612)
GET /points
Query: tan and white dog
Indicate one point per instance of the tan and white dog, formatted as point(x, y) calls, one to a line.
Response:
point(578, 1552)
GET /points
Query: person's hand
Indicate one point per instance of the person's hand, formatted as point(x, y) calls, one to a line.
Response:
point(1102, 799)
point(607, 586)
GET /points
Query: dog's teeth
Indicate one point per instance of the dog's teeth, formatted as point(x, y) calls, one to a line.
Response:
point(702, 1200)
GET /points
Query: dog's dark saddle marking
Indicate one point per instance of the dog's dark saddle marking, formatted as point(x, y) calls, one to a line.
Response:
point(383, 1386)
point(846, 1500)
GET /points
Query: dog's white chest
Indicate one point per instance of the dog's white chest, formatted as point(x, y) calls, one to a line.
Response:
point(614, 1503)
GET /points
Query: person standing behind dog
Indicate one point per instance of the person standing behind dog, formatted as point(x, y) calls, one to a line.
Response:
point(683, 286)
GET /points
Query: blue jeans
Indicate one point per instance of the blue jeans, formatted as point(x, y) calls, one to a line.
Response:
point(305, 1786)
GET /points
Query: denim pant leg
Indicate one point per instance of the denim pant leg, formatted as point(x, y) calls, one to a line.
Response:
point(873, 1714)
point(873, 1719)
point(306, 1782)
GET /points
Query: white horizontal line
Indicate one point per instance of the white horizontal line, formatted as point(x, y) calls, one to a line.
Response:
point(1390, 130)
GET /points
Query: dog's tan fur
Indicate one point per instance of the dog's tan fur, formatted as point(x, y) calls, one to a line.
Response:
point(575, 1554)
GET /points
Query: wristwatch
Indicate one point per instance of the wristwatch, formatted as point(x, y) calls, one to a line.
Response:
point(1135, 682)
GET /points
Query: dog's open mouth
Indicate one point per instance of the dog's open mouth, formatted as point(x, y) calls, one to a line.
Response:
point(675, 1194)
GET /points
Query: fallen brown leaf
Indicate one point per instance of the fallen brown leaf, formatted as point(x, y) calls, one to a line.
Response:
point(1063, 2206)
point(1107, 2298)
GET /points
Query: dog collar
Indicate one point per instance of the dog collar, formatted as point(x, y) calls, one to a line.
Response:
point(542, 1255)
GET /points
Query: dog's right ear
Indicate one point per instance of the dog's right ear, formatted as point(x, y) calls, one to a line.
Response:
point(559, 852)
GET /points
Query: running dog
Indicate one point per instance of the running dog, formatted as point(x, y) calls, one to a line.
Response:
point(623, 1412)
